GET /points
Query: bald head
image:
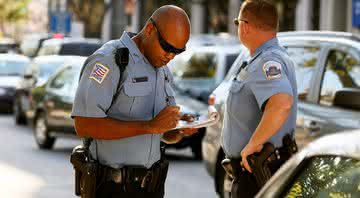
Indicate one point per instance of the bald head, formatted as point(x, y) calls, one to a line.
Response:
point(173, 24)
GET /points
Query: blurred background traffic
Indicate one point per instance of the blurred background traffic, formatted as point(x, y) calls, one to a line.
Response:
point(43, 44)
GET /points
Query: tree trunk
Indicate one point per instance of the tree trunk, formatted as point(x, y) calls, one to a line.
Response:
point(92, 32)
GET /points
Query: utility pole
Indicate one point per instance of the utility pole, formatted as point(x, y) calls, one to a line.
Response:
point(234, 8)
point(198, 19)
point(118, 18)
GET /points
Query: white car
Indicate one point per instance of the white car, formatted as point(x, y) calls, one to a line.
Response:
point(327, 167)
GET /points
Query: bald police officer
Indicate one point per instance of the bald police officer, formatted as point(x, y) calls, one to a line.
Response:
point(260, 110)
point(127, 120)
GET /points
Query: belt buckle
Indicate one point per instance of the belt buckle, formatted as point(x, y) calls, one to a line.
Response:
point(116, 176)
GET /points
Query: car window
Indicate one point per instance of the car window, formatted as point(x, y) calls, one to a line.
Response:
point(305, 59)
point(79, 49)
point(50, 49)
point(342, 71)
point(327, 176)
point(229, 60)
point(44, 69)
point(196, 65)
point(63, 80)
point(47, 69)
point(12, 68)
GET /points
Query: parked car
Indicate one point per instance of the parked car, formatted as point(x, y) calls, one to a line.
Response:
point(12, 67)
point(327, 167)
point(189, 105)
point(69, 46)
point(51, 104)
point(199, 70)
point(8, 45)
point(40, 69)
point(328, 78)
point(31, 44)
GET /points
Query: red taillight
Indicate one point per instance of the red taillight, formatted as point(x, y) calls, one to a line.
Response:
point(58, 36)
point(211, 99)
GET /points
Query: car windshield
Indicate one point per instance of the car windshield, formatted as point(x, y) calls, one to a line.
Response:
point(12, 68)
point(48, 68)
point(197, 65)
point(327, 176)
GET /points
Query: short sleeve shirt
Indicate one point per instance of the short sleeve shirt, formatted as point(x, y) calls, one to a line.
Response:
point(142, 93)
point(270, 71)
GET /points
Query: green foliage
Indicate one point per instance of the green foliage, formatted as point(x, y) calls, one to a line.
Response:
point(13, 10)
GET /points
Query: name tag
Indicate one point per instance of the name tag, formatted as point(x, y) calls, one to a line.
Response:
point(140, 79)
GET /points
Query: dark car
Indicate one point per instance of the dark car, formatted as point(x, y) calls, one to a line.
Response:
point(8, 45)
point(40, 69)
point(69, 46)
point(200, 69)
point(327, 167)
point(189, 105)
point(51, 104)
point(327, 66)
point(12, 67)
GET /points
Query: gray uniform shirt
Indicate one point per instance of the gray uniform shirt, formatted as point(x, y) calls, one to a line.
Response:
point(270, 71)
point(143, 92)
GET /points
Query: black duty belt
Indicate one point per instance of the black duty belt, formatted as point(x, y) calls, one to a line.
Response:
point(133, 179)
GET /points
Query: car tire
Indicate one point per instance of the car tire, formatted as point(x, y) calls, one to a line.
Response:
point(19, 116)
point(223, 182)
point(196, 150)
point(41, 132)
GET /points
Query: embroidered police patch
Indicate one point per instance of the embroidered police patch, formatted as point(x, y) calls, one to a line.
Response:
point(272, 70)
point(99, 72)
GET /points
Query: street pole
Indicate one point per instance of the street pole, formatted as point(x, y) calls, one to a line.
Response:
point(234, 8)
point(118, 19)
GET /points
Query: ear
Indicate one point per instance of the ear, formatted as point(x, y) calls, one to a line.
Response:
point(148, 28)
point(246, 28)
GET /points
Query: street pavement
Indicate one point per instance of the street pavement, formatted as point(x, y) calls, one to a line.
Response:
point(28, 172)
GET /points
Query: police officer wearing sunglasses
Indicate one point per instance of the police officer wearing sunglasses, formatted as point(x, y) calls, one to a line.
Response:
point(128, 112)
point(260, 110)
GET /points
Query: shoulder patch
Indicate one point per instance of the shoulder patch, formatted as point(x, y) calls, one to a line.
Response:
point(272, 70)
point(99, 72)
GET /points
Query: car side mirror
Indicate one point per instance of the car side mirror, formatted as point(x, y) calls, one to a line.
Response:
point(348, 98)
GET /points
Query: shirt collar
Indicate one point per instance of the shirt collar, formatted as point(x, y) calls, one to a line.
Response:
point(133, 49)
point(272, 42)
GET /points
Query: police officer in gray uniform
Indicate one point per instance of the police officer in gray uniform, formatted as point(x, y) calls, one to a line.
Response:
point(128, 112)
point(260, 110)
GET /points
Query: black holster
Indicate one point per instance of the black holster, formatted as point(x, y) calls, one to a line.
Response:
point(265, 163)
point(85, 172)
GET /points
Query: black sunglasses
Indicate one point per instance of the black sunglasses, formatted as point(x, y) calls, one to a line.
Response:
point(165, 45)
point(237, 21)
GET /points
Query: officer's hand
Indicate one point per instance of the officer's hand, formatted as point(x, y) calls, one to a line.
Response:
point(188, 117)
point(188, 131)
point(166, 120)
point(249, 150)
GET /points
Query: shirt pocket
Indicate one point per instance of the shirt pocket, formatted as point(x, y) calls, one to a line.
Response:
point(137, 89)
point(140, 99)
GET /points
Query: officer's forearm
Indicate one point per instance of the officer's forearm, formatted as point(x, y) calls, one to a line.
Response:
point(275, 115)
point(109, 128)
point(172, 137)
